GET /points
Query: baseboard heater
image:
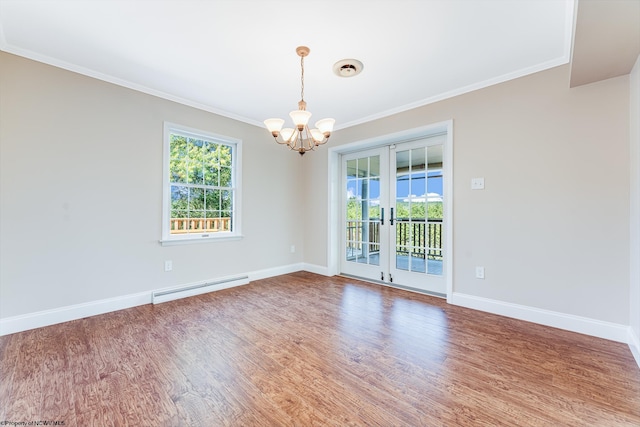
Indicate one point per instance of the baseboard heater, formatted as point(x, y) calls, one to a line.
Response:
point(197, 289)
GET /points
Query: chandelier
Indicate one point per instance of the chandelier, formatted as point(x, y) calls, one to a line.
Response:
point(301, 138)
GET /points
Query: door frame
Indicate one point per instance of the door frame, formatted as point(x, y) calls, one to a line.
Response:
point(334, 199)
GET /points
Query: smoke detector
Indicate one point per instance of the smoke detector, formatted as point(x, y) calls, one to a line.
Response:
point(347, 68)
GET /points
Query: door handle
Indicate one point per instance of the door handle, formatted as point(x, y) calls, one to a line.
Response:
point(391, 219)
point(381, 216)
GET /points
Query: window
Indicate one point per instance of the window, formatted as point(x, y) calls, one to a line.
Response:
point(201, 197)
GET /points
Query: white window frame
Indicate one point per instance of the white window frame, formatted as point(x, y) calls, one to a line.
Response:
point(236, 163)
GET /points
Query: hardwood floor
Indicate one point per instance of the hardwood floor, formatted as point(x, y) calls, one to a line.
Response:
point(307, 350)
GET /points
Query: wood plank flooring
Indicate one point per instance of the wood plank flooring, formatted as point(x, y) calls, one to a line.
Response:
point(307, 350)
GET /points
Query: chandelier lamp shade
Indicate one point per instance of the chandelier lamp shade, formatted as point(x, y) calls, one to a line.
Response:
point(300, 138)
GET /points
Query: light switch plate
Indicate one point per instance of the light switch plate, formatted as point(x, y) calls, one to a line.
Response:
point(477, 183)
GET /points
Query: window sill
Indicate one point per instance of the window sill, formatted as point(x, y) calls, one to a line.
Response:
point(188, 241)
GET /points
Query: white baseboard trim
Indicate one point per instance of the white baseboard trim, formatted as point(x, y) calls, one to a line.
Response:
point(11, 325)
point(39, 319)
point(276, 271)
point(634, 345)
point(569, 322)
point(317, 269)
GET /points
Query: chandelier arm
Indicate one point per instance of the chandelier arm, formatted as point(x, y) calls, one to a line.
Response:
point(283, 142)
point(294, 140)
point(313, 140)
point(309, 140)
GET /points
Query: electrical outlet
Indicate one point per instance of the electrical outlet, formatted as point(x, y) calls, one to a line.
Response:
point(479, 272)
point(168, 265)
point(293, 249)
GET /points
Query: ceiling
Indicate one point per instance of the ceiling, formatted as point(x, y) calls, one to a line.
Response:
point(237, 57)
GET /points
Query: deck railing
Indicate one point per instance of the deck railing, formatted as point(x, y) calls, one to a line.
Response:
point(419, 238)
point(415, 237)
point(199, 225)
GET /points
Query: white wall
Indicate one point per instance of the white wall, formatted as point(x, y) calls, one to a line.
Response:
point(81, 191)
point(634, 137)
point(552, 225)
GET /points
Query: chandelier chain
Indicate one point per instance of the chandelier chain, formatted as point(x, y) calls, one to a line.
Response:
point(302, 78)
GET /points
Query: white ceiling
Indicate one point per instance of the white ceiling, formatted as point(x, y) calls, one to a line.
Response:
point(237, 57)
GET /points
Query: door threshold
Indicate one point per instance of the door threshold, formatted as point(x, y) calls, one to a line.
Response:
point(394, 285)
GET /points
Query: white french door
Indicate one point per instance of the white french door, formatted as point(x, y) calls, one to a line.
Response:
point(393, 227)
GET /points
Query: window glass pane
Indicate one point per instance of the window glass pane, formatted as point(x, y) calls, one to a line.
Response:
point(225, 220)
point(211, 174)
point(179, 197)
point(178, 162)
point(210, 164)
point(212, 200)
point(195, 164)
point(225, 156)
point(178, 170)
point(196, 199)
point(226, 199)
point(225, 177)
point(179, 222)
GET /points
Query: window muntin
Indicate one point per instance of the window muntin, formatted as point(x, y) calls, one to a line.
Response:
point(201, 192)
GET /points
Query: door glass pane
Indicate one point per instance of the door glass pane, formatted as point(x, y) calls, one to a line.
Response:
point(434, 248)
point(374, 166)
point(435, 212)
point(351, 169)
point(418, 262)
point(402, 257)
point(374, 210)
point(405, 197)
point(416, 249)
point(363, 210)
